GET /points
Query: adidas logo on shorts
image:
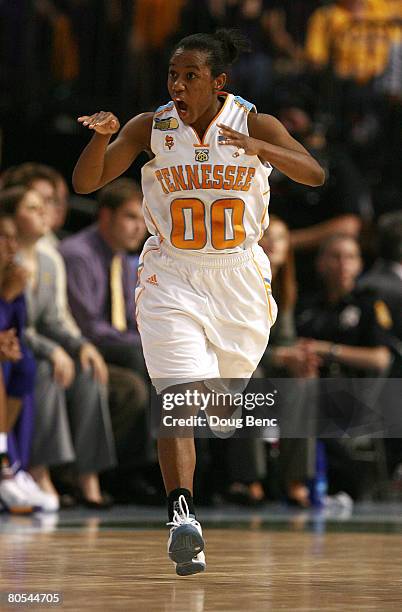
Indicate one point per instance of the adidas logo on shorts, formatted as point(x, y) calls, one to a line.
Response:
point(152, 280)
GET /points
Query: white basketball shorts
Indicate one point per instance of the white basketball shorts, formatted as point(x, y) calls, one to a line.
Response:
point(202, 316)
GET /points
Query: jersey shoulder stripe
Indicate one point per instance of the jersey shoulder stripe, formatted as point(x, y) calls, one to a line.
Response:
point(165, 107)
point(244, 104)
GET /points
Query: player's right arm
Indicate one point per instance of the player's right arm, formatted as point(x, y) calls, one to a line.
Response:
point(101, 162)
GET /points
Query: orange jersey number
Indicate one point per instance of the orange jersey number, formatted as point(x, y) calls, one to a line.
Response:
point(189, 229)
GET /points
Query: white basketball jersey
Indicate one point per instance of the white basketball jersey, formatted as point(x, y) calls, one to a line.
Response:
point(198, 196)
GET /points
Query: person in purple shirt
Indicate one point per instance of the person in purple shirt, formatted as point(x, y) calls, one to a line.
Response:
point(91, 256)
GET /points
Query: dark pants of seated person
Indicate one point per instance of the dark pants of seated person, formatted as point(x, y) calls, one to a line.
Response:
point(246, 458)
point(126, 356)
point(296, 460)
point(19, 380)
point(73, 424)
point(128, 403)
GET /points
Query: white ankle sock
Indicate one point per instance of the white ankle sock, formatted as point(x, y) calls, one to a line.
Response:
point(3, 442)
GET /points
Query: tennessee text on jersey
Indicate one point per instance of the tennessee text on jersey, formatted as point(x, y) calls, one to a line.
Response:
point(188, 177)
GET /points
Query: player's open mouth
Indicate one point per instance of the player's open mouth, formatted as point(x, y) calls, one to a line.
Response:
point(182, 107)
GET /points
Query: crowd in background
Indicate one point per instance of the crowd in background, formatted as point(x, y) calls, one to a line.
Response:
point(75, 389)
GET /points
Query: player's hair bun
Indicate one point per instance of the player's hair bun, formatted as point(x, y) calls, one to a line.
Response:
point(223, 48)
point(233, 44)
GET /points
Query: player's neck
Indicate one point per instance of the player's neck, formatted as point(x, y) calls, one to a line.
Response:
point(203, 122)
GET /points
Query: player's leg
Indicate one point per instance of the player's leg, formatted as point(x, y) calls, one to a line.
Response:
point(177, 459)
point(177, 463)
point(170, 318)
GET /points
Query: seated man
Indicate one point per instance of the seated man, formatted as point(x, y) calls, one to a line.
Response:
point(99, 279)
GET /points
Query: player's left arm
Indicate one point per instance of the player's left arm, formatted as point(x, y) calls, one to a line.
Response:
point(271, 141)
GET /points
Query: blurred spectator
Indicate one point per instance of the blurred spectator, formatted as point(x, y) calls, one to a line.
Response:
point(47, 183)
point(12, 497)
point(19, 368)
point(285, 357)
point(352, 35)
point(349, 43)
point(101, 279)
point(385, 279)
point(72, 212)
point(287, 25)
point(342, 324)
point(100, 283)
point(344, 327)
point(15, 499)
point(127, 392)
point(253, 72)
point(314, 215)
point(17, 377)
point(68, 371)
point(154, 22)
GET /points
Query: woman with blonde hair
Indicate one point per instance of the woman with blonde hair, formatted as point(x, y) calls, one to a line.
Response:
point(286, 357)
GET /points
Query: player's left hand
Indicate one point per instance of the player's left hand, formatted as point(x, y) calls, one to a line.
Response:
point(245, 144)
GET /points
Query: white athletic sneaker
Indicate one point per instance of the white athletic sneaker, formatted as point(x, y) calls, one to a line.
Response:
point(13, 498)
point(40, 499)
point(186, 544)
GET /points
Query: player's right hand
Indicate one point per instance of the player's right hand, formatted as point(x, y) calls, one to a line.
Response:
point(103, 123)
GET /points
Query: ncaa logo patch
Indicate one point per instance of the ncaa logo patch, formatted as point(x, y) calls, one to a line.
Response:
point(170, 123)
point(169, 143)
point(201, 155)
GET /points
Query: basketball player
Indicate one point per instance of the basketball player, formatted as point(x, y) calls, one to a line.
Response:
point(204, 304)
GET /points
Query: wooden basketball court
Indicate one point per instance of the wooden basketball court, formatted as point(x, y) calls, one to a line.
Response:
point(249, 568)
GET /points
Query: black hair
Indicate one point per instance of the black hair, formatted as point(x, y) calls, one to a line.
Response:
point(223, 48)
point(10, 199)
point(390, 236)
point(118, 192)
